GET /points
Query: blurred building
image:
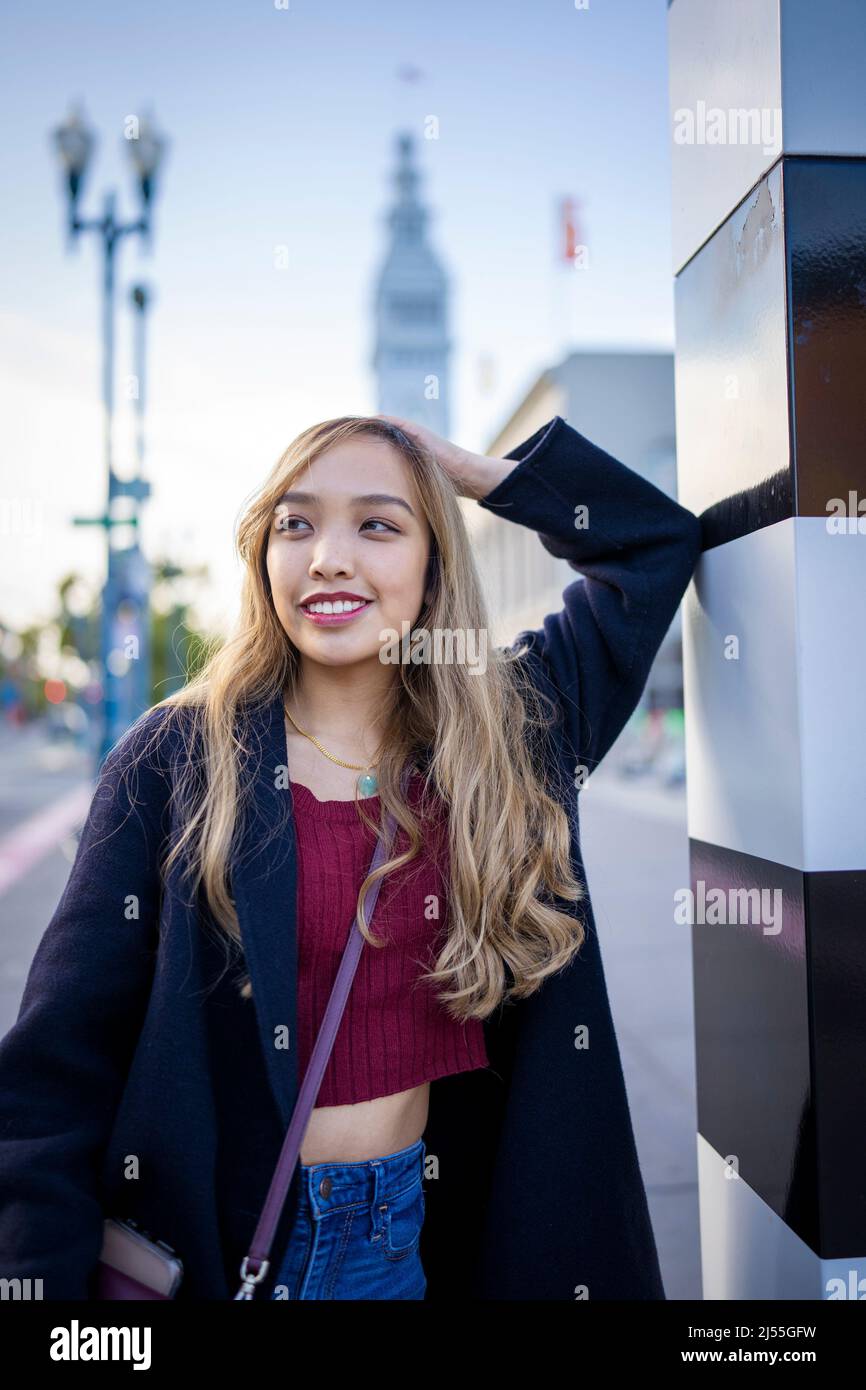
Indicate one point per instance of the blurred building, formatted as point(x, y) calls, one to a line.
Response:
point(624, 403)
point(412, 346)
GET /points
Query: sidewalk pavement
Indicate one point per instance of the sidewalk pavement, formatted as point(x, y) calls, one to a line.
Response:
point(635, 848)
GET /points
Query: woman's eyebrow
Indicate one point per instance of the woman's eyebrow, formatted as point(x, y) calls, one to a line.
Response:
point(368, 499)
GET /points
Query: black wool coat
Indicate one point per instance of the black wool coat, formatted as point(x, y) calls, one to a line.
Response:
point(137, 1083)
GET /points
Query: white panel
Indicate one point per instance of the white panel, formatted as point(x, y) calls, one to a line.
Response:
point(724, 57)
point(742, 728)
point(775, 758)
point(831, 585)
point(747, 1251)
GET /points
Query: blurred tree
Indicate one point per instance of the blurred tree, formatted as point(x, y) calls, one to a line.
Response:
point(179, 649)
point(67, 645)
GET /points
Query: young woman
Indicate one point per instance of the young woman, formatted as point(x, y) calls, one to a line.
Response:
point(173, 1002)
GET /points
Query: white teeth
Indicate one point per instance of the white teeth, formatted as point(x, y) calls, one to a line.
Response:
point(339, 606)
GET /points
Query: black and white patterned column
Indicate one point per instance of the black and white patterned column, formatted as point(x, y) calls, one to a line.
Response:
point(769, 222)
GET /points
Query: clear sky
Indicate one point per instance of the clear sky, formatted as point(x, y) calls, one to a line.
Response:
point(282, 125)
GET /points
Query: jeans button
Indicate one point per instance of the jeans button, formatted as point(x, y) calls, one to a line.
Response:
point(325, 1187)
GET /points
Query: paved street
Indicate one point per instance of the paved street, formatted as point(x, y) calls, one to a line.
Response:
point(37, 776)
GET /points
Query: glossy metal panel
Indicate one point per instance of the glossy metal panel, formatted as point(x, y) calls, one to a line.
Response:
point(823, 67)
point(835, 916)
point(780, 1023)
point(733, 441)
point(825, 236)
point(752, 1030)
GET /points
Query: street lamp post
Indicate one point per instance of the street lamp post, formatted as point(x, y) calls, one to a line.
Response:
point(138, 569)
point(74, 143)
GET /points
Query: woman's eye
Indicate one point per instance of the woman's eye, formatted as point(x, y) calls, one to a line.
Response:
point(374, 521)
point(282, 521)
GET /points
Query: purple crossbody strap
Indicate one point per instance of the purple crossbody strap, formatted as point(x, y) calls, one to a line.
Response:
point(255, 1264)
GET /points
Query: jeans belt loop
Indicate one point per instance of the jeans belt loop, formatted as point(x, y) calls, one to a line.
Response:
point(378, 1222)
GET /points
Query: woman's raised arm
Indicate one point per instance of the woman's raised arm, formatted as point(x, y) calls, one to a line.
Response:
point(637, 550)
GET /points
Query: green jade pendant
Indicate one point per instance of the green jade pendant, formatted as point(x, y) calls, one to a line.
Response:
point(368, 783)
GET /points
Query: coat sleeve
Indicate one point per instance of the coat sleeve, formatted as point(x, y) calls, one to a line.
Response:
point(63, 1064)
point(636, 549)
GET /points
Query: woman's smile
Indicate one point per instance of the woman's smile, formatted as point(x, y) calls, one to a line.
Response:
point(326, 614)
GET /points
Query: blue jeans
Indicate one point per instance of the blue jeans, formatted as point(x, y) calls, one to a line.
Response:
point(357, 1230)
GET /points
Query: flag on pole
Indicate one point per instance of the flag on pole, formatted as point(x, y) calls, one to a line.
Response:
point(570, 232)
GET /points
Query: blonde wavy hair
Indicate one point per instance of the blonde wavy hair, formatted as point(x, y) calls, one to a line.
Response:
point(481, 734)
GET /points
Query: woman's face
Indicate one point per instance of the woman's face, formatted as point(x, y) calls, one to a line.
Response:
point(351, 524)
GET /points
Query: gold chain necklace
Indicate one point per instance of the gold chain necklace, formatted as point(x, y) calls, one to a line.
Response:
point(367, 784)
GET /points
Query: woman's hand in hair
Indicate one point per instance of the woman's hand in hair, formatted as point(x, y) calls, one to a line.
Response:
point(473, 475)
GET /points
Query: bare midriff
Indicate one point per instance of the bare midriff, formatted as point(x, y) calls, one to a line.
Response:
point(368, 1129)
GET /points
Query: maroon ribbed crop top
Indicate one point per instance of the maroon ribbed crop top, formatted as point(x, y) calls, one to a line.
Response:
point(394, 1033)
